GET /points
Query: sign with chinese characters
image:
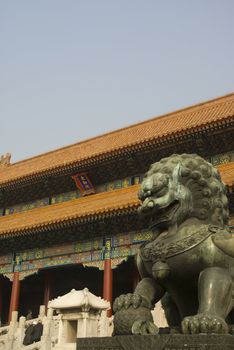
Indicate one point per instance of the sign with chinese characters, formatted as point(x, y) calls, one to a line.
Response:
point(83, 183)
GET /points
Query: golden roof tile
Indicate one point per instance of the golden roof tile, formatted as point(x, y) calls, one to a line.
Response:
point(227, 173)
point(83, 208)
point(181, 121)
point(98, 204)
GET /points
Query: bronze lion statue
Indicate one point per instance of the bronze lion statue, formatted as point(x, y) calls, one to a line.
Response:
point(189, 263)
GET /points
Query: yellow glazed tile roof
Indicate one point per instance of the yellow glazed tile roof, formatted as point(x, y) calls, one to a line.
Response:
point(98, 204)
point(227, 173)
point(90, 206)
point(181, 121)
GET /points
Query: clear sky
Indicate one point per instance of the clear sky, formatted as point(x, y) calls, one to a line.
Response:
point(73, 69)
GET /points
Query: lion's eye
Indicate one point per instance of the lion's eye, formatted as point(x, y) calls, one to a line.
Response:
point(161, 192)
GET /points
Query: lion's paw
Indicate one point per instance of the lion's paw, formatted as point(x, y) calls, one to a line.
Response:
point(144, 327)
point(202, 323)
point(126, 300)
point(131, 308)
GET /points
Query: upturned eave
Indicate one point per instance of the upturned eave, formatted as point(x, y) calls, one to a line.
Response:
point(210, 116)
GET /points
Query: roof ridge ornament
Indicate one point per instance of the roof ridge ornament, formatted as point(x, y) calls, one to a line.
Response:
point(5, 160)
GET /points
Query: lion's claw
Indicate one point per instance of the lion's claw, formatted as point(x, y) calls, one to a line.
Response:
point(144, 327)
point(202, 323)
point(118, 303)
point(136, 300)
point(127, 300)
point(133, 315)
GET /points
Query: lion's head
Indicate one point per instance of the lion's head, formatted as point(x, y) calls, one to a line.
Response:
point(181, 187)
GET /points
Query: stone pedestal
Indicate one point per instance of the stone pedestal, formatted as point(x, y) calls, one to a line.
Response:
point(159, 342)
point(79, 313)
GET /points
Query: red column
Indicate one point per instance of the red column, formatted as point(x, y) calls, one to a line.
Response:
point(107, 283)
point(1, 283)
point(48, 288)
point(15, 292)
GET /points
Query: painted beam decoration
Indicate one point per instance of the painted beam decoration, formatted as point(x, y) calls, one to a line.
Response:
point(86, 252)
point(6, 263)
point(83, 183)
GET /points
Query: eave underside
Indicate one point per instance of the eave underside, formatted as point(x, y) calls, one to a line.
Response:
point(79, 217)
point(116, 223)
point(97, 215)
point(101, 227)
point(128, 163)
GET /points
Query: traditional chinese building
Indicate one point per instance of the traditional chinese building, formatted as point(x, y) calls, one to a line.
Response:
point(68, 218)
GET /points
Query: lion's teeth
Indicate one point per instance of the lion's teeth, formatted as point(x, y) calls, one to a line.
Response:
point(150, 204)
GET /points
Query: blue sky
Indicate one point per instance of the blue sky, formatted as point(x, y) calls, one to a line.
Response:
point(72, 69)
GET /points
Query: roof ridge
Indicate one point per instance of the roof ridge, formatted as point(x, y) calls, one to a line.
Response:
point(204, 103)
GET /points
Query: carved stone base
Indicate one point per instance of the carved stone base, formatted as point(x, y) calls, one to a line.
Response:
point(159, 342)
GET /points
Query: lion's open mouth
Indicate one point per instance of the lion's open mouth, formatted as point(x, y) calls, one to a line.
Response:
point(164, 215)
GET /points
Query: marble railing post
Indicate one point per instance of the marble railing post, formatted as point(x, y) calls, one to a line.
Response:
point(12, 333)
point(21, 331)
point(46, 335)
point(42, 312)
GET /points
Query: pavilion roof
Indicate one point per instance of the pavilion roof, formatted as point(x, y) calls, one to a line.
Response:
point(84, 209)
point(198, 117)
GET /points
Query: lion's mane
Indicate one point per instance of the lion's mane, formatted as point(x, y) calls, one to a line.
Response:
point(210, 202)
